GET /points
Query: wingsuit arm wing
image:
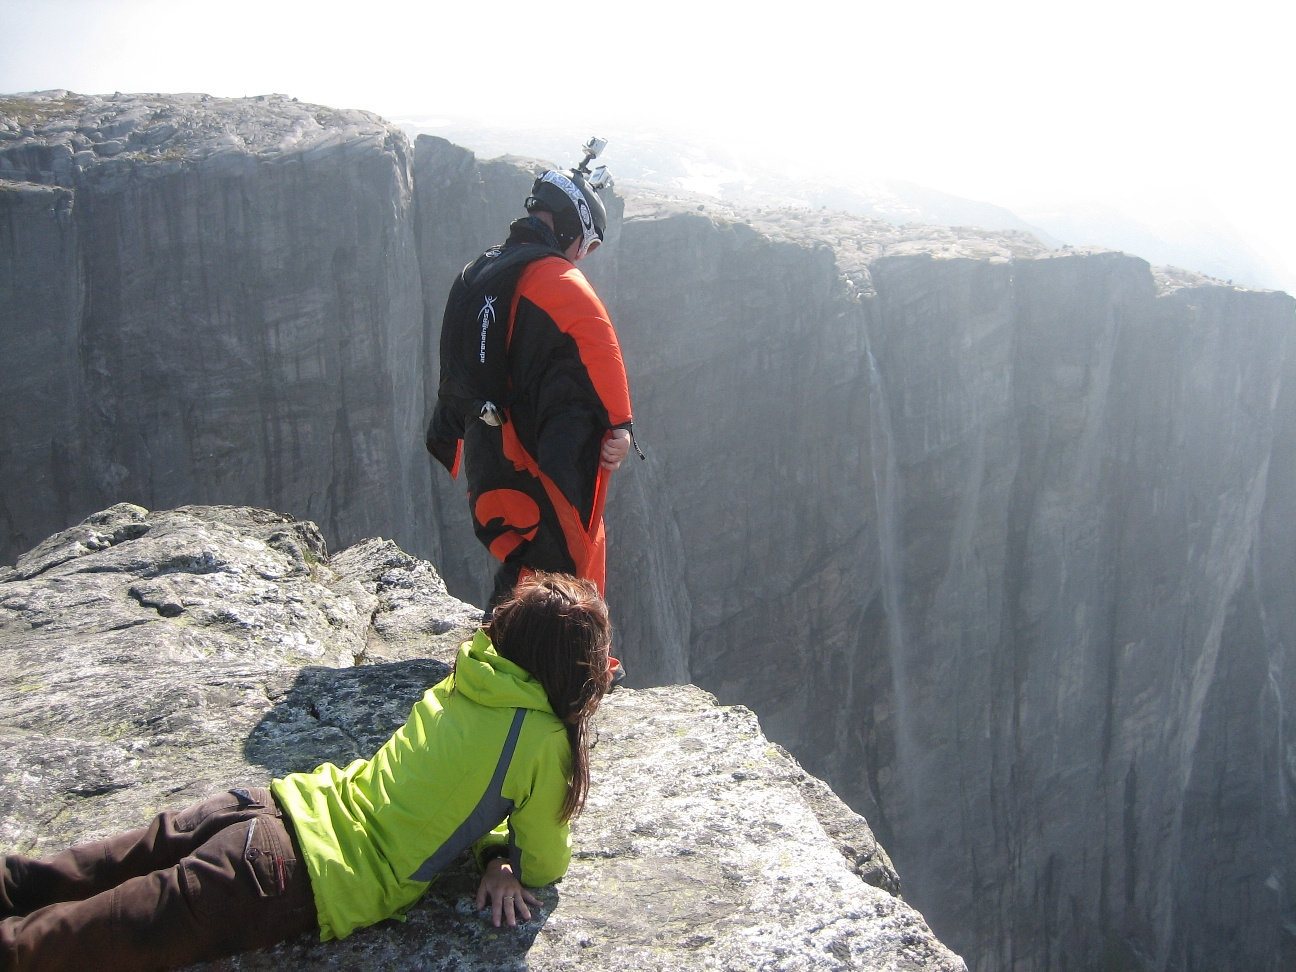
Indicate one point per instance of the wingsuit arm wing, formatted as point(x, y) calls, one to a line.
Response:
point(444, 437)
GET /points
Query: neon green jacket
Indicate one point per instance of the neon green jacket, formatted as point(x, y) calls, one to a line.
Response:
point(482, 759)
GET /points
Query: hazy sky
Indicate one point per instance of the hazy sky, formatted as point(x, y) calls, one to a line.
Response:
point(1158, 107)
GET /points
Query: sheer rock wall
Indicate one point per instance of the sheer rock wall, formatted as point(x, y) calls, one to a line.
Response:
point(227, 310)
point(1023, 551)
point(1006, 517)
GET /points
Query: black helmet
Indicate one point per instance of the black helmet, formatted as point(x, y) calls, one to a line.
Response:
point(577, 211)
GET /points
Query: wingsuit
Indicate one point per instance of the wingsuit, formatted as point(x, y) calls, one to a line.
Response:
point(555, 383)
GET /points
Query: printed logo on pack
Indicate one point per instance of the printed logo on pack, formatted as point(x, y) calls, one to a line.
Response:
point(485, 317)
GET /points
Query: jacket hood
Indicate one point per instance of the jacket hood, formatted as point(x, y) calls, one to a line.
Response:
point(488, 678)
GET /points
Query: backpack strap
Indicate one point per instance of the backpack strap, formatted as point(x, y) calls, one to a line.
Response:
point(474, 329)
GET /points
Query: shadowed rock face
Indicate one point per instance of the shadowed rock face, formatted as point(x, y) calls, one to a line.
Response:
point(212, 301)
point(1078, 539)
point(998, 540)
point(1017, 522)
point(148, 659)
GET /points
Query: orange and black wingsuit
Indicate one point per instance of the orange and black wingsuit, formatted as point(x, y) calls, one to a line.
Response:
point(555, 376)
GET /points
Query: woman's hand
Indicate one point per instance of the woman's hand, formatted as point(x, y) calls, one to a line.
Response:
point(508, 899)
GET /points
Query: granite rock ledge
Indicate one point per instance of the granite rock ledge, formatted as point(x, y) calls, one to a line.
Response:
point(150, 658)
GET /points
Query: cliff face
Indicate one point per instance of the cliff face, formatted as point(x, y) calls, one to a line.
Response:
point(1006, 516)
point(212, 300)
point(998, 540)
point(1020, 542)
point(1080, 635)
point(150, 658)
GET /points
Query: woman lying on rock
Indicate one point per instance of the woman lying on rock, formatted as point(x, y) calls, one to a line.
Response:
point(494, 757)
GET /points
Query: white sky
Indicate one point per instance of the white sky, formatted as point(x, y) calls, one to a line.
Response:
point(1152, 105)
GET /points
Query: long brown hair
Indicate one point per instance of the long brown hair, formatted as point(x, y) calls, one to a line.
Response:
point(556, 627)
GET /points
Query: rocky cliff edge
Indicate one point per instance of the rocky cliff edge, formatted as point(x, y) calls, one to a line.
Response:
point(150, 658)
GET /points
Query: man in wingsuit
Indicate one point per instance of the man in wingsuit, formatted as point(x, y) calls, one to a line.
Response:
point(533, 403)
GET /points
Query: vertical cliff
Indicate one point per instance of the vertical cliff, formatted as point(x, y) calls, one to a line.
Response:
point(1082, 640)
point(1015, 551)
point(1001, 518)
point(41, 298)
point(222, 300)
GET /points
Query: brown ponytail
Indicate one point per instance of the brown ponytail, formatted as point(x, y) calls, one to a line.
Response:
point(556, 627)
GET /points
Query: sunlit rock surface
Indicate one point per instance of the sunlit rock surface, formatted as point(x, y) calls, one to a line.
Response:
point(148, 659)
point(140, 651)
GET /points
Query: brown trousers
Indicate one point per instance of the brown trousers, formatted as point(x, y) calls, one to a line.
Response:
point(223, 876)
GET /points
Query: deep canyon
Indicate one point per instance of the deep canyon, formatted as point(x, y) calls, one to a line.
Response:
point(998, 540)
